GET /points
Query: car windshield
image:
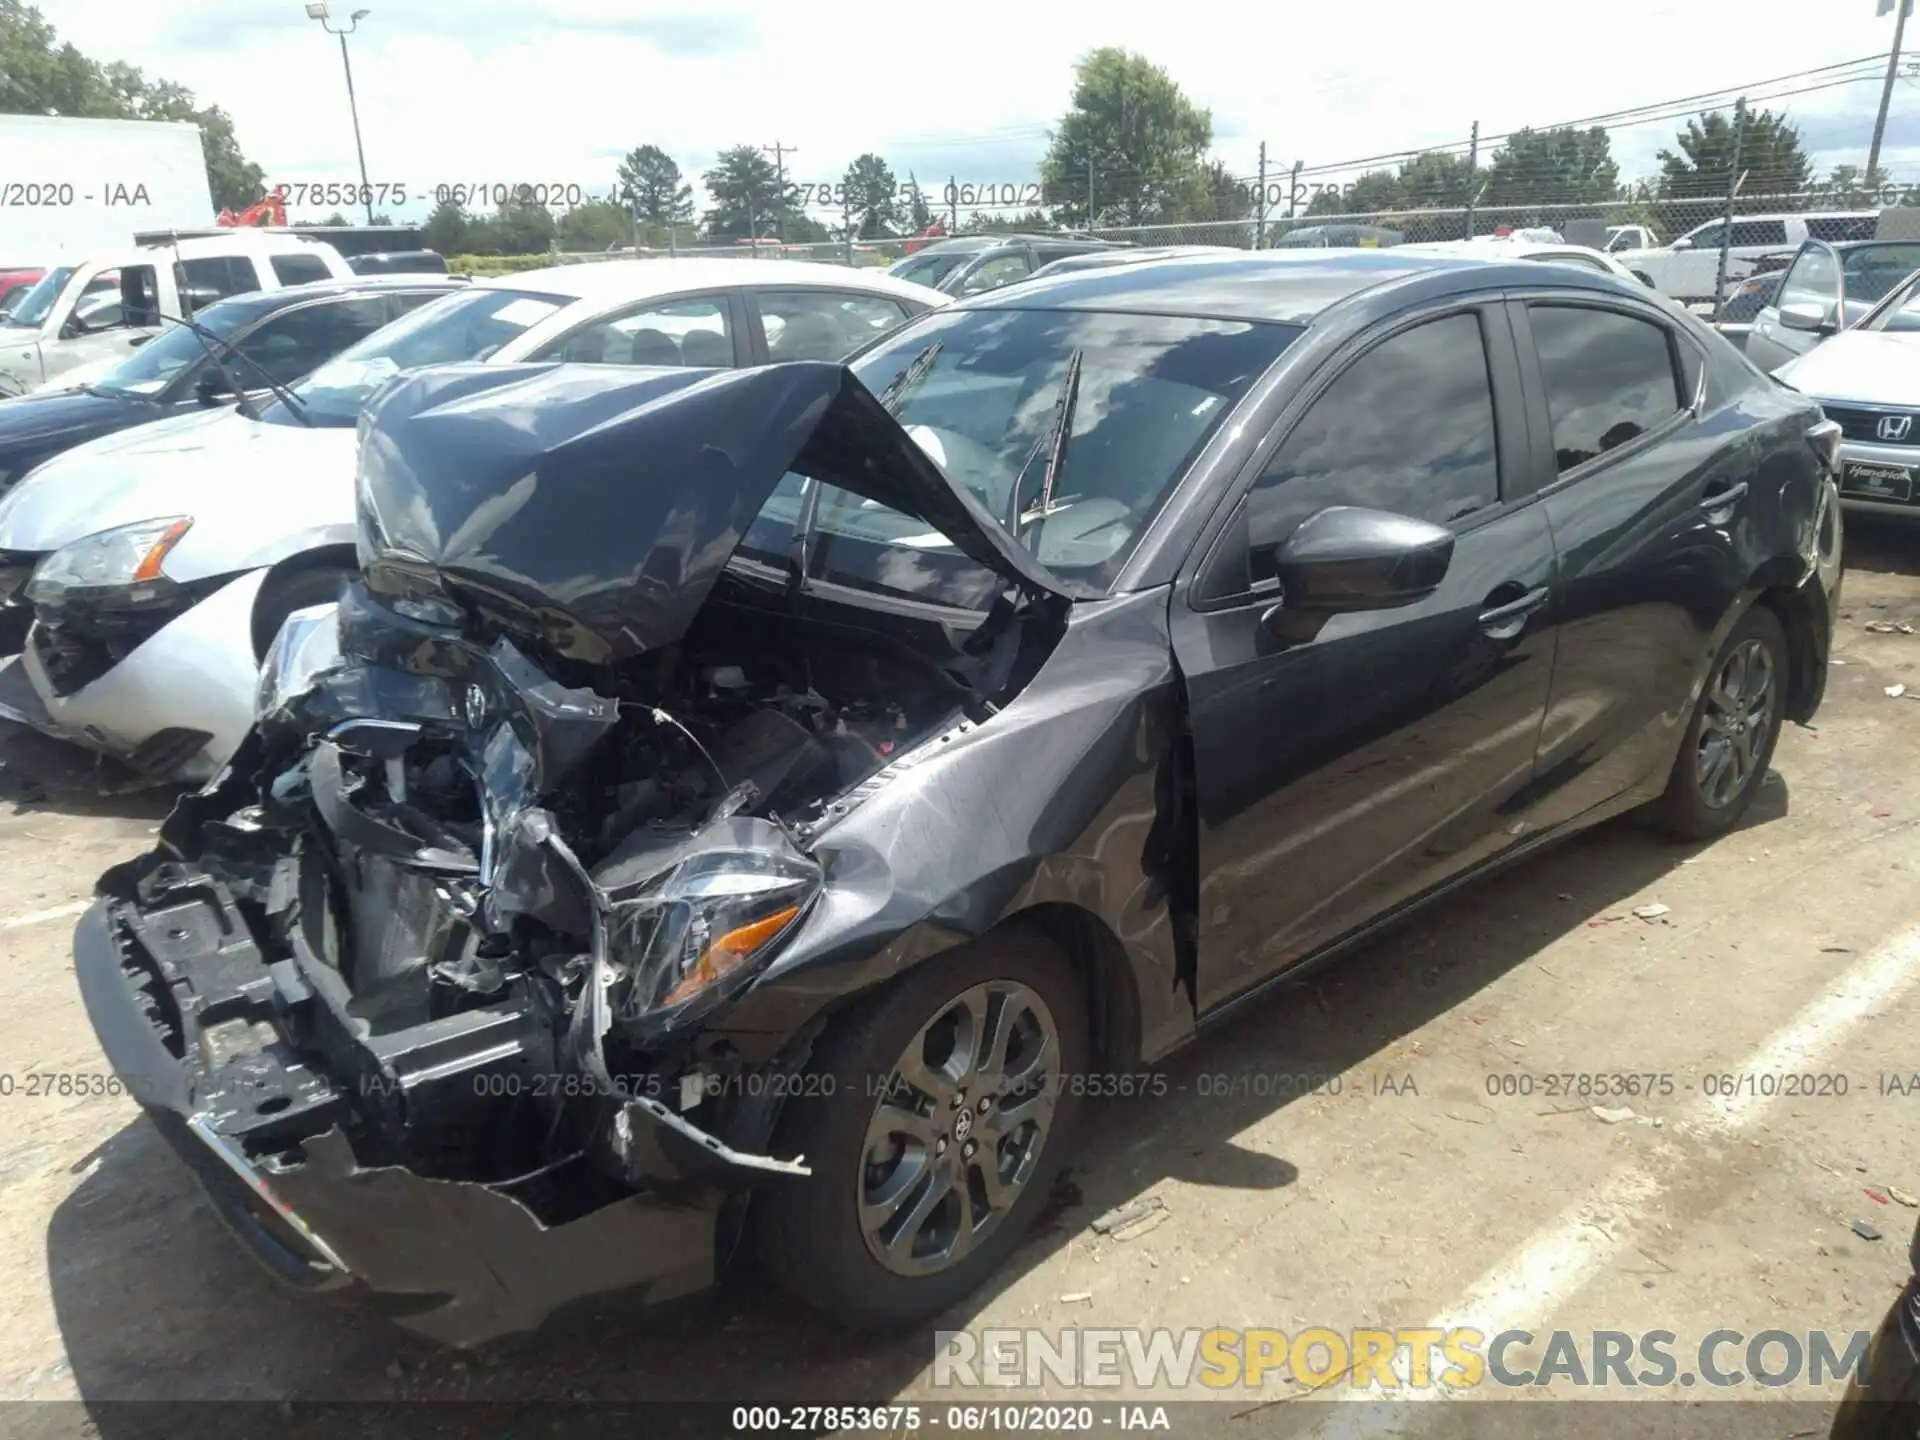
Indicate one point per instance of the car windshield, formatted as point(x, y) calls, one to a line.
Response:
point(148, 370)
point(1151, 390)
point(1899, 310)
point(31, 309)
point(929, 270)
point(466, 325)
point(1873, 270)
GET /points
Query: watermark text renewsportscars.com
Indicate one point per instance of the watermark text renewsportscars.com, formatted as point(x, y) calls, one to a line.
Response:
point(1460, 1359)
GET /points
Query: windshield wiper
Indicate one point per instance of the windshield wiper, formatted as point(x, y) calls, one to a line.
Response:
point(208, 339)
point(1053, 445)
point(904, 384)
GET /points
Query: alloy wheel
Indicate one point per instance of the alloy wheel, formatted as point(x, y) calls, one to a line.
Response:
point(1734, 723)
point(958, 1128)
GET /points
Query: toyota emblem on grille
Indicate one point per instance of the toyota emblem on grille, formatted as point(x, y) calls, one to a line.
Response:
point(1894, 427)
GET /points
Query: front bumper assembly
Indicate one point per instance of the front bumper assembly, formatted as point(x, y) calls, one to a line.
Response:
point(190, 1015)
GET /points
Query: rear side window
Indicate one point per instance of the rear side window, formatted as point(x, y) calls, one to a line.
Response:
point(300, 269)
point(1843, 227)
point(1407, 428)
point(215, 278)
point(1759, 232)
point(1610, 377)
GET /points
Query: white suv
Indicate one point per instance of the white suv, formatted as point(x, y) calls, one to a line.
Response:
point(1688, 269)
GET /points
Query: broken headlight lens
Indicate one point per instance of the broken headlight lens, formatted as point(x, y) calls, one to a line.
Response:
point(308, 642)
point(706, 925)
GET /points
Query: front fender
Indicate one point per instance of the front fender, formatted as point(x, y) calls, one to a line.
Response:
point(1060, 799)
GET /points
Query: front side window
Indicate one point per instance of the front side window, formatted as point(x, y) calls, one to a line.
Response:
point(465, 325)
point(696, 333)
point(1708, 236)
point(928, 270)
point(1408, 428)
point(1152, 390)
point(823, 324)
point(1813, 280)
point(1610, 378)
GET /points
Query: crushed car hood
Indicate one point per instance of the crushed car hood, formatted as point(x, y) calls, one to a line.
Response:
point(1872, 367)
point(593, 508)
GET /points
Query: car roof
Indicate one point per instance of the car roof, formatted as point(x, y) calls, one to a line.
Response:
point(265, 302)
point(1287, 286)
point(620, 280)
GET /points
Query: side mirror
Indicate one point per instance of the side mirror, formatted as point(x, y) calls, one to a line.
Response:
point(74, 328)
point(1683, 243)
point(1346, 558)
point(211, 387)
point(1808, 316)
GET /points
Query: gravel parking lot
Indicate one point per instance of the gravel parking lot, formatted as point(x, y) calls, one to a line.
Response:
point(1442, 1183)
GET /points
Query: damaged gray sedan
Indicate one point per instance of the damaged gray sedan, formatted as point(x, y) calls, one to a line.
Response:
point(762, 806)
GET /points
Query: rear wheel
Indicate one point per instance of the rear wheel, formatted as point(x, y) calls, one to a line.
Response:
point(939, 1126)
point(1730, 739)
point(286, 591)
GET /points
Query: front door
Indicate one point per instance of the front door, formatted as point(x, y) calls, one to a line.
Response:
point(1345, 766)
point(1813, 279)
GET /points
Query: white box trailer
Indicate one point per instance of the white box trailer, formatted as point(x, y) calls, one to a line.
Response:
point(70, 188)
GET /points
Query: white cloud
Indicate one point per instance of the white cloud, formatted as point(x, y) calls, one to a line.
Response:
point(491, 91)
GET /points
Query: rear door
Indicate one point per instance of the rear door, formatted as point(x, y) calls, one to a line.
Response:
point(1344, 767)
point(1653, 523)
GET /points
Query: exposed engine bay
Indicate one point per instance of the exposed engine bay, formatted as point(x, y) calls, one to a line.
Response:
point(488, 909)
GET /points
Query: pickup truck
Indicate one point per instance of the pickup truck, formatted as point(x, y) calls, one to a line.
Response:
point(64, 321)
point(1689, 269)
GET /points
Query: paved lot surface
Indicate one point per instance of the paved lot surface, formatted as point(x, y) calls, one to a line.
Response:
point(1412, 1196)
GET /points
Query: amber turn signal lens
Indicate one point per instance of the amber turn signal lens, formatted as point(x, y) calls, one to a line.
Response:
point(729, 952)
point(149, 566)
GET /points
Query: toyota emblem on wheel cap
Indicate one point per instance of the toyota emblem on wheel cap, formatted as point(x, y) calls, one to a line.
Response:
point(1895, 427)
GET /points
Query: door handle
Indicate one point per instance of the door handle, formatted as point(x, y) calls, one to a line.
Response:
point(1503, 622)
point(1724, 499)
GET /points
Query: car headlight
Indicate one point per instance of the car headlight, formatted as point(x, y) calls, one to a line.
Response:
point(698, 931)
point(120, 567)
point(307, 643)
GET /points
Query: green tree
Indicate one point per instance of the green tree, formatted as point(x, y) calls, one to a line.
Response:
point(873, 197)
point(651, 184)
point(523, 228)
point(1559, 166)
point(595, 225)
point(1848, 187)
point(336, 218)
point(749, 202)
point(447, 230)
point(1132, 131)
point(919, 214)
point(1000, 222)
point(1436, 181)
point(1770, 156)
point(1215, 195)
point(39, 76)
point(1373, 192)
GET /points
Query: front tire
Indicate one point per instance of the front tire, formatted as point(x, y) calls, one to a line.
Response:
point(286, 591)
point(940, 1125)
point(1731, 735)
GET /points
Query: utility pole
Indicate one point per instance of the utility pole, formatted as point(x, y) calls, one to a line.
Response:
point(780, 153)
point(1886, 91)
point(1293, 188)
point(1260, 215)
point(1089, 194)
point(321, 11)
point(1473, 169)
point(1734, 180)
point(953, 206)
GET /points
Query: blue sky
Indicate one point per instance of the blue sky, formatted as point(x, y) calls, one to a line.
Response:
point(489, 91)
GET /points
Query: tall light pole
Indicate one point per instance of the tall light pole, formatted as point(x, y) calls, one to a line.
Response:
point(318, 10)
point(1903, 9)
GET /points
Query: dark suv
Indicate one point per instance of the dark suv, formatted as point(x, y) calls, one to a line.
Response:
point(975, 264)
